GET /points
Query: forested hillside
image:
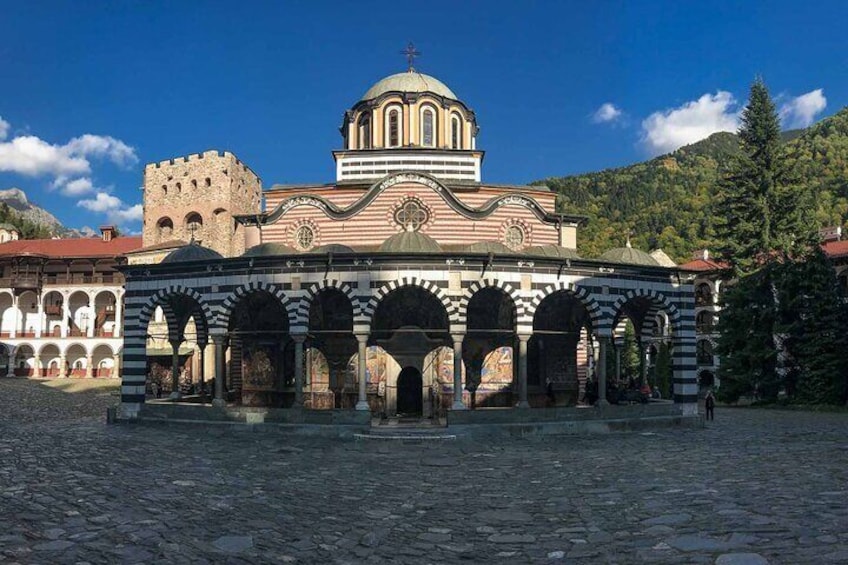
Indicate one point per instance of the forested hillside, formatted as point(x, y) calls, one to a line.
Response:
point(667, 202)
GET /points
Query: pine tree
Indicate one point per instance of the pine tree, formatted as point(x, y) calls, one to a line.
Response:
point(814, 316)
point(764, 218)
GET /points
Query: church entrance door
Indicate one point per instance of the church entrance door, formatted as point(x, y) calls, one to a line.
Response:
point(409, 391)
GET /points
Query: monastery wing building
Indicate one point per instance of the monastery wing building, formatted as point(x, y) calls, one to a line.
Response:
point(409, 286)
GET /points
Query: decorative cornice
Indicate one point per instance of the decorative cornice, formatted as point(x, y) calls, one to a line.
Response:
point(336, 213)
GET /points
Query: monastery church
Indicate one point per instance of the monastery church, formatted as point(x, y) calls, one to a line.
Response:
point(406, 286)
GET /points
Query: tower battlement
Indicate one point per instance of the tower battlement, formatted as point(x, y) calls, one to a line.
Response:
point(196, 197)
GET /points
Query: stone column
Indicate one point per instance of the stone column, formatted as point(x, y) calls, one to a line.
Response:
point(116, 366)
point(13, 351)
point(617, 359)
point(119, 317)
point(298, 369)
point(602, 371)
point(457, 372)
point(36, 368)
point(89, 366)
point(220, 369)
point(522, 371)
point(14, 333)
point(66, 316)
point(175, 369)
point(63, 366)
point(92, 317)
point(202, 368)
point(362, 372)
point(39, 327)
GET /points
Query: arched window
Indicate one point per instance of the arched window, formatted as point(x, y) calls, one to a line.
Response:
point(704, 353)
point(428, 127)
point(393, 128)
point(165, 227)
point(456, 132)
point(365, 132)
point(703, 295)
point(704, 322)
point(193, 224)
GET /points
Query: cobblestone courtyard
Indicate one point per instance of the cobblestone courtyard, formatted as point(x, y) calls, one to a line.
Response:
point(72, 489)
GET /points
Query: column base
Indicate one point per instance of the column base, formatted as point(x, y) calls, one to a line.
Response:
point(601, 402)
point(362, 406)
point(10, 375)
point(219, 402)
point(458, 405)
point(175, 395)
point(523, 404)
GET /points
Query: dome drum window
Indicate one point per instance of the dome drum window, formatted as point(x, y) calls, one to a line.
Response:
point(393, 127)
point(428, 127)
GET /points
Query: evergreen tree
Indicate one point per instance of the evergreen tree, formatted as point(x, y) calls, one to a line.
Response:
point(815, 316)
point(662, 370)
point(765, 221)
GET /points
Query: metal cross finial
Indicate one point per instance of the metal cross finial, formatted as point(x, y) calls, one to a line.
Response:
point(411, 53)
point(192, 227)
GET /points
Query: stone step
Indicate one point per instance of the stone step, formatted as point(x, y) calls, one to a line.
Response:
point(405, 435)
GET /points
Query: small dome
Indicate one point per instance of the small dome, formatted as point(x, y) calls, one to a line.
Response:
point(410, 242)
point(630, 256)
point(332, 248)
point(410, 81)
point(192, 252)
point(489, 247)
point(270, 248)
point(552, 251)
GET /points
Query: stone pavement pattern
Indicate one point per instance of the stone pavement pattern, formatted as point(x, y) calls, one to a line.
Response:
point(753, 487)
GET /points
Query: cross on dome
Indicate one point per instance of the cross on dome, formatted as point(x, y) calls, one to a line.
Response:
point(411, 53)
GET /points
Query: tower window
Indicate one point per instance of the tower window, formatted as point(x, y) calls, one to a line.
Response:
point(456, 132)
point(428, 128)
point(394, 137)
point(193, 224)
point(365, 132)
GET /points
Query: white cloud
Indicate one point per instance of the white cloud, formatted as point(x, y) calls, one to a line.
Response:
point(668, 130)
point(78, 187)
point(113, 207)
point(606, 113)
point(32, 156)
point(801, 111)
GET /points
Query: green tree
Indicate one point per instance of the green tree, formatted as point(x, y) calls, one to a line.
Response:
point(814, 318)
point(765, 221)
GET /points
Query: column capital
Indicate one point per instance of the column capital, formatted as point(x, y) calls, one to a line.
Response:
point(299, 337)
point(362, 338)
point(524, 337)
point(218, 339)
point(457, 337)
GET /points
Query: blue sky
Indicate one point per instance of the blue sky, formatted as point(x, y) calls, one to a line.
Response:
point(90, 91)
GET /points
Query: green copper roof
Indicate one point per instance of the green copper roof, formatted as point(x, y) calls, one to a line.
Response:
point(270, 248)
point(630, 256)
point(192, 252)
point(410, 242)
point(552, 251)
point(489, 247)
point(332, 248)
point(409, 82)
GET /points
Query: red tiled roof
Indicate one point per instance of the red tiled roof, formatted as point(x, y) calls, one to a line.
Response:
point(835, 249)
point(79, 247)
point(702, 265)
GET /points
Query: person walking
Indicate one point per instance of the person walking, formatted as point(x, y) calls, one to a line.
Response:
point(709, 404)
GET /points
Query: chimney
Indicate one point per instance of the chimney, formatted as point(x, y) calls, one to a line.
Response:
point(108, 232)
point(701, 254)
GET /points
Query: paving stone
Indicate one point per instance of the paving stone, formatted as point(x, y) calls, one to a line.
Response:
point(233, 544)
point(758, 481)
point(741, 559)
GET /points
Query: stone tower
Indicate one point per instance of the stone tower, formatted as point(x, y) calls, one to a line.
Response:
point(197, 196)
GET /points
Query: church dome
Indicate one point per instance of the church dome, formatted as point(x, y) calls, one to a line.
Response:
point(629, 256)
point(192, 252)
point(410, 242)
point(489, 247)
point(552, 252)
point(270, 248)
point(410, 81)
point(333, 248)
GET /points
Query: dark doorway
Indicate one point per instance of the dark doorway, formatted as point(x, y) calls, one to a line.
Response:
point(409, 387)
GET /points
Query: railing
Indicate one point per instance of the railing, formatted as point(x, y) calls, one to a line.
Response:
point(79, 279)
point(53, 310)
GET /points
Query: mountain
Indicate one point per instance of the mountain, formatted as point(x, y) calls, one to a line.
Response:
point(668, 201)
point(32, 221)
